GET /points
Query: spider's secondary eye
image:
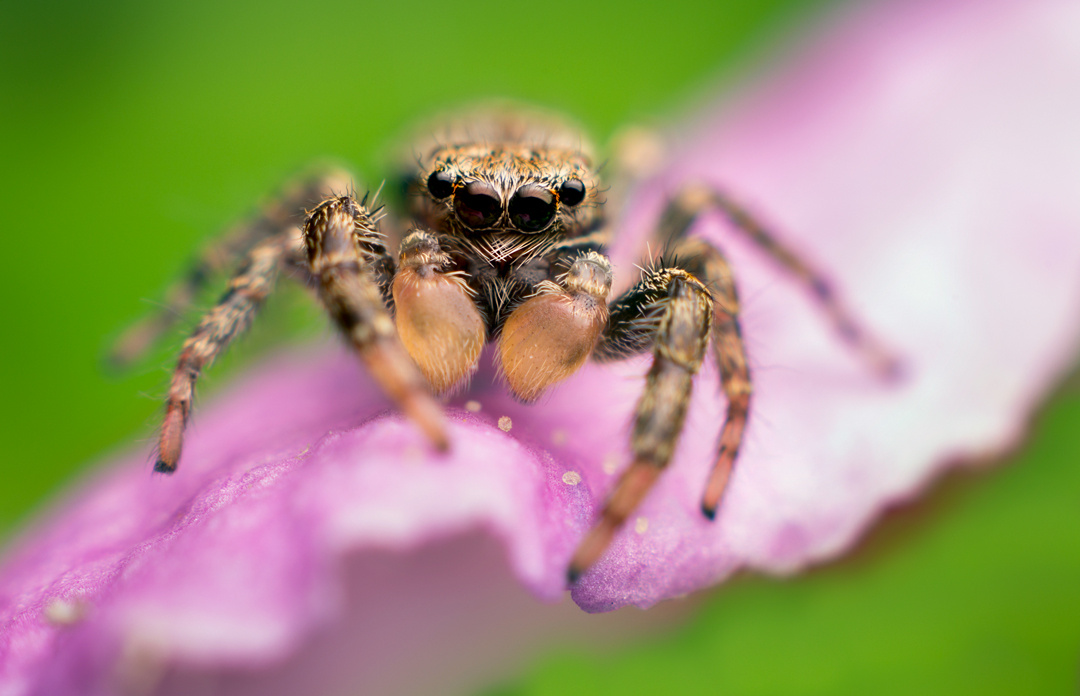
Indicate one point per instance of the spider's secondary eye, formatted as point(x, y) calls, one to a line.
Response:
point(572, 192)
point(440, 184)
point(477, 205)
point(532, 208)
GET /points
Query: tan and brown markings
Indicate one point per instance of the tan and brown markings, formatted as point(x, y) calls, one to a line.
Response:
point(507, 244)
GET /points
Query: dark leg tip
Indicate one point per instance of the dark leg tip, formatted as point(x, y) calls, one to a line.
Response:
point(709, 512)
point(572, 576)
point(162, 467)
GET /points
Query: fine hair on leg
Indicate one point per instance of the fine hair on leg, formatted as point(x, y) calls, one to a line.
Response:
point(229, 318)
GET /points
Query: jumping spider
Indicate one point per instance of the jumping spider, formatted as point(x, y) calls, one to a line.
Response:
point(505, 243)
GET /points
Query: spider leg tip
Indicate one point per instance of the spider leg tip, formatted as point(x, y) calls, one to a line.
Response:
point(709, 511)
point(437, 436)
point(573, 574)
point(163, 467)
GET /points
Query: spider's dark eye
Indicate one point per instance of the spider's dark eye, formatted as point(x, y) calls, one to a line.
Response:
point(572, 192)
point(532, 208)
point(477, 205)
point(440, 184)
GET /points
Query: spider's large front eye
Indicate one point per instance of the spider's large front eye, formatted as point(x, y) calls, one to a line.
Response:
point(440, 184)
point(477, 205)
point(572, 192)
point(532, 208)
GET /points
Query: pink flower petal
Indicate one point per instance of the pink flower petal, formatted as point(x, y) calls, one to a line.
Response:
point(925, 153)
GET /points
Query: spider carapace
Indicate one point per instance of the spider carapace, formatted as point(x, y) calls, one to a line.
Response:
point(505, 243)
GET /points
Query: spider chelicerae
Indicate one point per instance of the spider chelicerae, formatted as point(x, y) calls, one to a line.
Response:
point(505, 243)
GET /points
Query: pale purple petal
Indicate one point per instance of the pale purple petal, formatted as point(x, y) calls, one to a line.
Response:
point(237, 559)
point(924, 152)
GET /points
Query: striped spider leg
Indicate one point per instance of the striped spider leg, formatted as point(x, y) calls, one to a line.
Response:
point(279, 216)
point(338, 250)
point(675, 310)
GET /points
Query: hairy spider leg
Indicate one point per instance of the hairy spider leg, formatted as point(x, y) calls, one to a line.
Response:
point(670, 311)
point(224, 254)
point(346, 255)
point(230, 317)
point(696, 199)
point(626, 335)
point(706, 261)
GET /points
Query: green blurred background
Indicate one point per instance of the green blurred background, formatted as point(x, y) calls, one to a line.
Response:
point(132, 131)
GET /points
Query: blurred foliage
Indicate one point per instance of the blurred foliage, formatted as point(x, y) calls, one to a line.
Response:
point(133, 131)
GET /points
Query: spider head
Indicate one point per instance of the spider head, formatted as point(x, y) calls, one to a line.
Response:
point(506, 189)
point(506, 172)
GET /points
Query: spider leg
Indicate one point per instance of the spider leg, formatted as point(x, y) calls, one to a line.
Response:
point(706, 261)
point(351, 267)
point(277, 217)
point(696, 199)
point(671, 312)
point(230, 317)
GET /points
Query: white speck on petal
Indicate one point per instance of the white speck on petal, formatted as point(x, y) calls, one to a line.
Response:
point(641, 525)
point(610, 463)
point(62, 612)
point(505, 424)
point(571, 478)
point(472, 406)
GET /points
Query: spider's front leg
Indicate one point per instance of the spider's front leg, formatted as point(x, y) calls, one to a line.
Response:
point(349, 262)
point(673, 313)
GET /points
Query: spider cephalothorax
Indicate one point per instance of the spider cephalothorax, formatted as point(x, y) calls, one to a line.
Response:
point(506, 243)
point(504, 213)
